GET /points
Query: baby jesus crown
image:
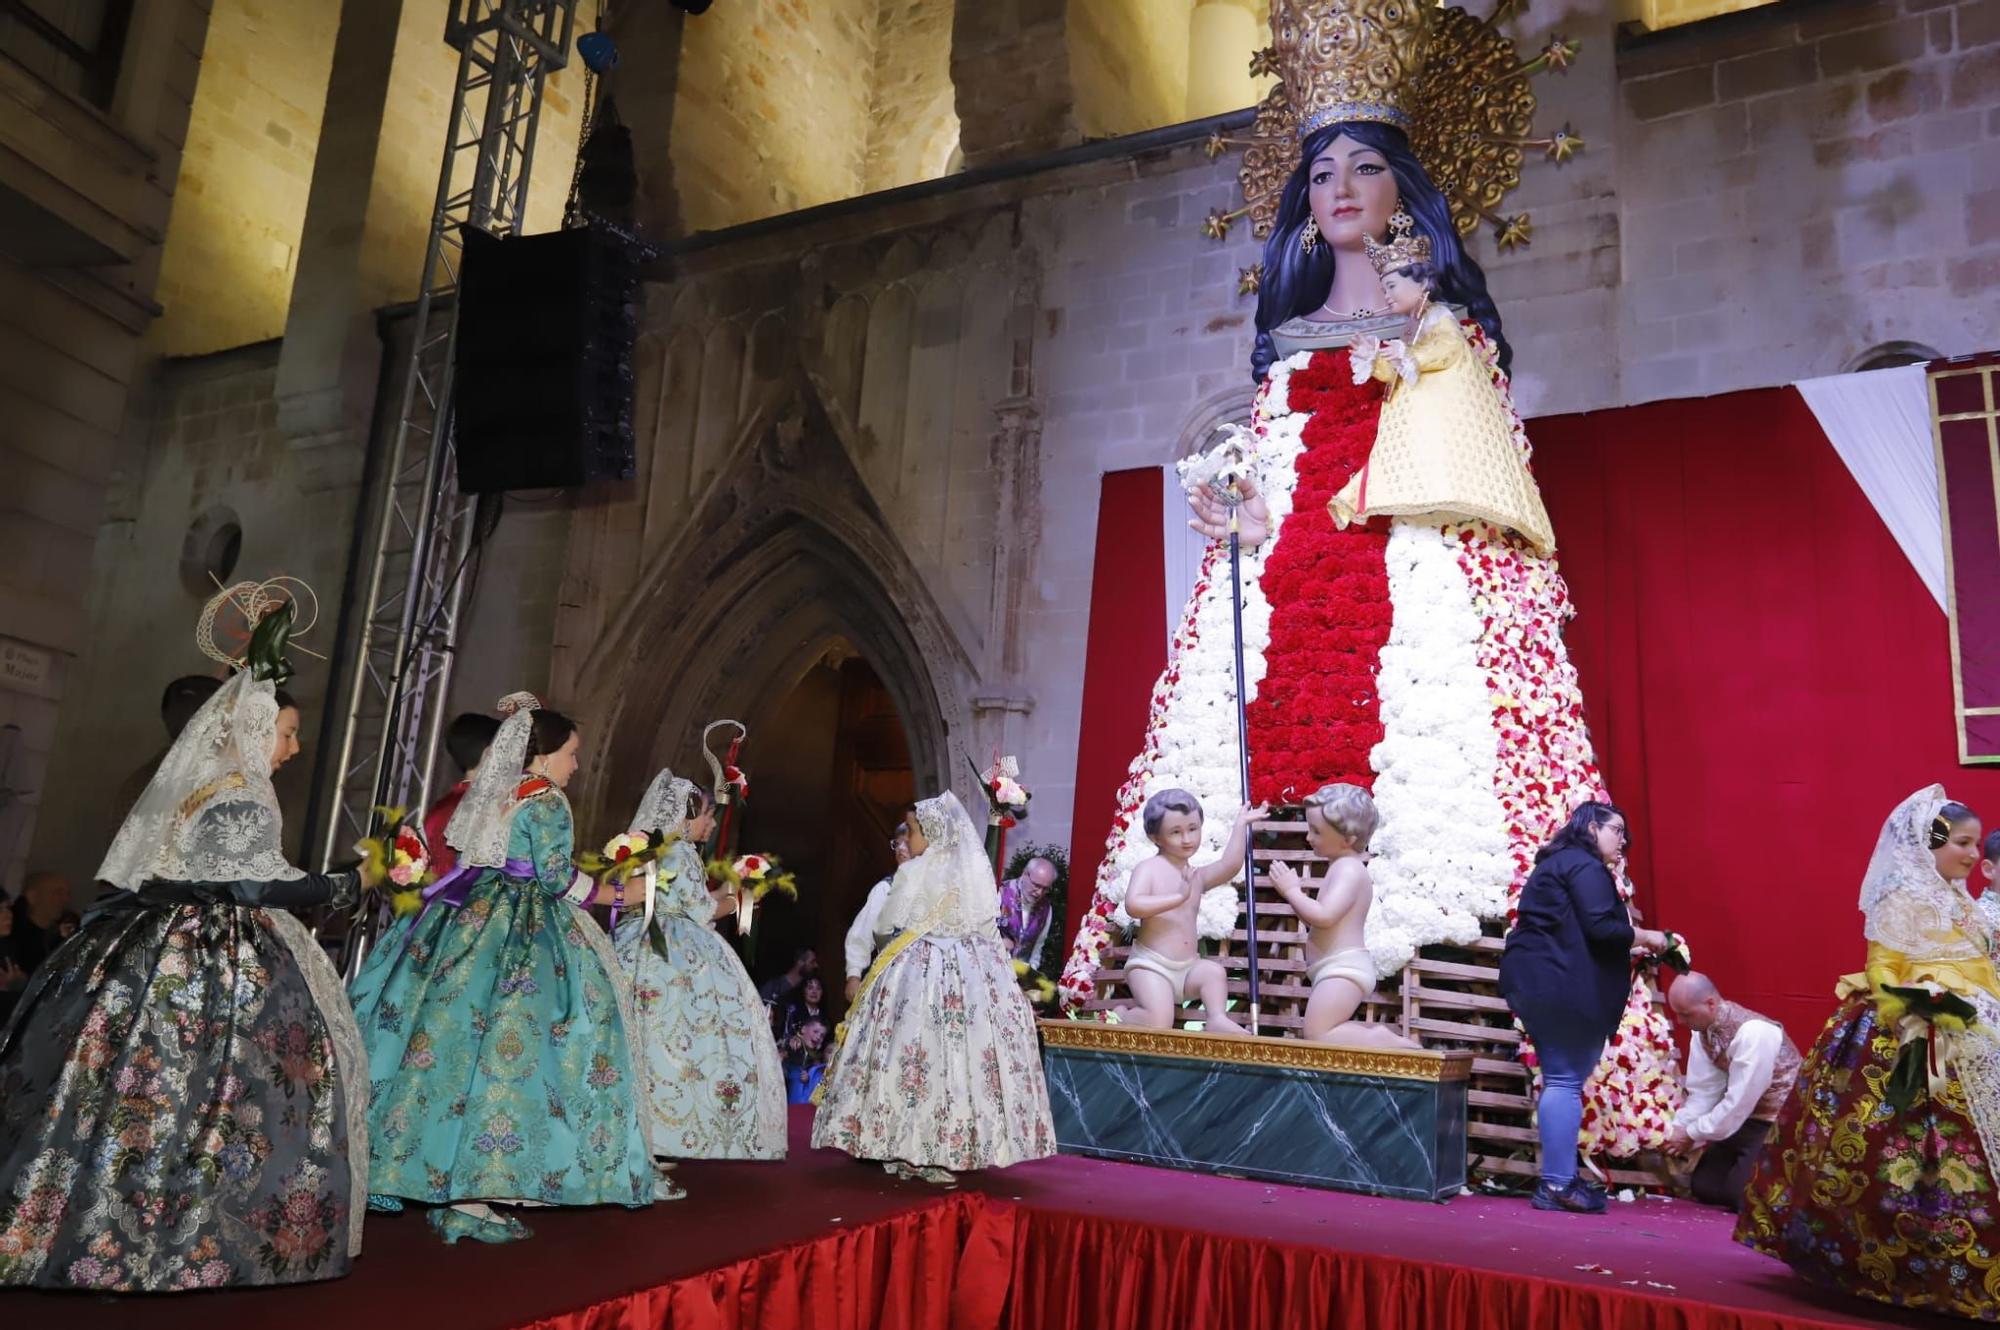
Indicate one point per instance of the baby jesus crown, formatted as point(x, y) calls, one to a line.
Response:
point(1406, 246)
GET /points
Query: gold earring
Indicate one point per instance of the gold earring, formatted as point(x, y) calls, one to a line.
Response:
point(1400, 222)
point(1309, 237)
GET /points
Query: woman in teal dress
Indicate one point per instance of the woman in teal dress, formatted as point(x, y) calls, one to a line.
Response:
point(712, 1086)
point(493, 1019)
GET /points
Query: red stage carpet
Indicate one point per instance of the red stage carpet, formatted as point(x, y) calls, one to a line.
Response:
point(823, 1243)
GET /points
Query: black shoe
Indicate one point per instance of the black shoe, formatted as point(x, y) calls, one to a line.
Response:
point(1576, 1198)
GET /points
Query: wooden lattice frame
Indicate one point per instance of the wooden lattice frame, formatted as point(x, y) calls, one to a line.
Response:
point(1447, 998)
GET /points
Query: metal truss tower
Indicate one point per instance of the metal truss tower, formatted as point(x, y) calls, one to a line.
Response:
point(412, 592)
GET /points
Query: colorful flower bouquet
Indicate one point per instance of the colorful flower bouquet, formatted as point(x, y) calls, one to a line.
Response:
point(624, 856)
point(399, 858)
point(1038, 988)
point(1676, 957)
point(750, 878)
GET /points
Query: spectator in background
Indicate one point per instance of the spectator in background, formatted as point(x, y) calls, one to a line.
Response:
point(178, 703)
point(807, 1006)
point(860, 948)
point(42, 920)
point(12, 977)
point(775, 990)
point(805, 1060)
point(467, 738)
point(1024, 909)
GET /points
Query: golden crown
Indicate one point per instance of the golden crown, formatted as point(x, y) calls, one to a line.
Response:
point(1350, 59)
point(1406, 245)
point(1455, 85)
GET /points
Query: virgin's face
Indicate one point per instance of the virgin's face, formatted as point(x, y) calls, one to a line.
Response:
point(560, 765)
point(286, 746)
point(1957, 857)
point(1351, 192)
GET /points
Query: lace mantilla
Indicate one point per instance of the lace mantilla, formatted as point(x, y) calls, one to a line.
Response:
point(949, 888)
point(209, 814)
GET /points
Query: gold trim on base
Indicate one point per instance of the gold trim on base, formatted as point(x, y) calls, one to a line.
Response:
point(1258, 1051)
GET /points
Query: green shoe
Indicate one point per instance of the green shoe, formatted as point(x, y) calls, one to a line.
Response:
point(451, 1225)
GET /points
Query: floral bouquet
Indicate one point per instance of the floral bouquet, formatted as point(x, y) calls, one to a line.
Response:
point(1006, 803)
point(399, 858)
point(624, 856)
point(750, 878)
point(1038, 988)
point(1676, 957)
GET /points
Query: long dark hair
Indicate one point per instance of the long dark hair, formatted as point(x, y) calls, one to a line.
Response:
point(1581, 829)
point(1296, 282)
point(551, 730)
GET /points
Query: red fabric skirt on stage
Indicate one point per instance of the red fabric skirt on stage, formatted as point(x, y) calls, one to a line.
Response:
point(1855, 1196)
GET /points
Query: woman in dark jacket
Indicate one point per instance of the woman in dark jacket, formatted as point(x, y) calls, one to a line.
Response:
point(1566, 973)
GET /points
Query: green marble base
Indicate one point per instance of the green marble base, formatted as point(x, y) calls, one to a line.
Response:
point(1280, 1110)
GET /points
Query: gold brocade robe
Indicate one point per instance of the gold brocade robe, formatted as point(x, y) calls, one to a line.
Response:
point(1444, 446)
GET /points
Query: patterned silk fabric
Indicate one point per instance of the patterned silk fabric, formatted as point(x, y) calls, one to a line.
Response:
point(497, 1042)
point(711, 1085)
point(180, 1095)
point(1895, 1206)
point(940, 1067)
point(1445, 450)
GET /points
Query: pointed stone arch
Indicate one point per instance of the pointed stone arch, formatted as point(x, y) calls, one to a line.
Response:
point(786, 555)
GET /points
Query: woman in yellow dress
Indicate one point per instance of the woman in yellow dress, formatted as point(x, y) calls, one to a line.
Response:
point(1879, 1180)
point(1445, 448)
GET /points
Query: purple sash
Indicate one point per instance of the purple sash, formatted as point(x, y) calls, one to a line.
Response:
point(452, 889)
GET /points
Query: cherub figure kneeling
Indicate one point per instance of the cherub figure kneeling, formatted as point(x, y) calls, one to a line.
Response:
point(1165, 968)
point(1340, 820)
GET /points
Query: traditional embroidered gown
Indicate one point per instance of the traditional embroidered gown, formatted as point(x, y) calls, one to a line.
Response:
point(1900, 1206)
point(1418, 657)
point(182, 1087)
point(501, 1065)
point(712, 1085)
point(937, 1064)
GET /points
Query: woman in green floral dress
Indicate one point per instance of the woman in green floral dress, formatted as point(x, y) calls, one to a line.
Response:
point(494, 1022)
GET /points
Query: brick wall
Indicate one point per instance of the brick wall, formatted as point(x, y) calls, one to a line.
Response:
point(773, 108)
point(913, 114)
point(232, 249)
point(1129, 64)
point(1010, 65)
point(1802, 182)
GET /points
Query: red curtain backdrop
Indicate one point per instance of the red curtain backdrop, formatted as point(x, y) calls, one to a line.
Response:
point(1127, 650)
point(1765, 677)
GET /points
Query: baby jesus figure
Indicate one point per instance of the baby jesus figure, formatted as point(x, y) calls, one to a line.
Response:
point(1164, 968)
point(1445, 447)
point(1340, 819)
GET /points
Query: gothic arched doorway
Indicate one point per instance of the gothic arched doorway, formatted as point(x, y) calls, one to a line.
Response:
point(831, 778)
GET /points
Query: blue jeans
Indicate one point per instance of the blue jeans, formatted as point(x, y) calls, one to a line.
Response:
point(1569, 1046)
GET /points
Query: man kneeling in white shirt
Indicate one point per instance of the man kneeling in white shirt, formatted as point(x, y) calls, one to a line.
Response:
point(860, 947)
point(1740, 1069)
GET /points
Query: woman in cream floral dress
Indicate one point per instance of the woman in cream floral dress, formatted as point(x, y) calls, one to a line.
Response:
point(937, 1069)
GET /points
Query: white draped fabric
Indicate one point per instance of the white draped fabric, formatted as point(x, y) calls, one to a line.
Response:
point(1879, 421)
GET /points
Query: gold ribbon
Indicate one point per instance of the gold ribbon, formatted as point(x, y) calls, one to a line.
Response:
point(1889, 968)
point(881, 963)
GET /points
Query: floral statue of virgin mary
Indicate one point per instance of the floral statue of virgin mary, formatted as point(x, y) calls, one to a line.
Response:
point(1422, 656)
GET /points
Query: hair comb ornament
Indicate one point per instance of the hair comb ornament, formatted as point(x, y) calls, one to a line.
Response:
point(264, 617)
point(513, 702)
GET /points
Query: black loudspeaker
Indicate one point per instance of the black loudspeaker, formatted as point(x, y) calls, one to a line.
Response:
point(542, 384)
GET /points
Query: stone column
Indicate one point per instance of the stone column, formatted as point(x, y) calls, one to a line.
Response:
point(332, 357)
point(645, 86)
point(1010, 66)
point(1222, 36)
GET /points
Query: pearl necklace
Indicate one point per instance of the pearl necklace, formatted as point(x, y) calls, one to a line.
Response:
point(1351, 314)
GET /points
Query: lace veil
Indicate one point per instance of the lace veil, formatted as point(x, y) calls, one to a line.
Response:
point(480, 824)
point(209, 813)
point(948, 888)
point(1905, 904)
point(664, 809)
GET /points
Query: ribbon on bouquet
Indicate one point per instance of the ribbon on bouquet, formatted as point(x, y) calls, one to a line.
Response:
point(452, 889)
